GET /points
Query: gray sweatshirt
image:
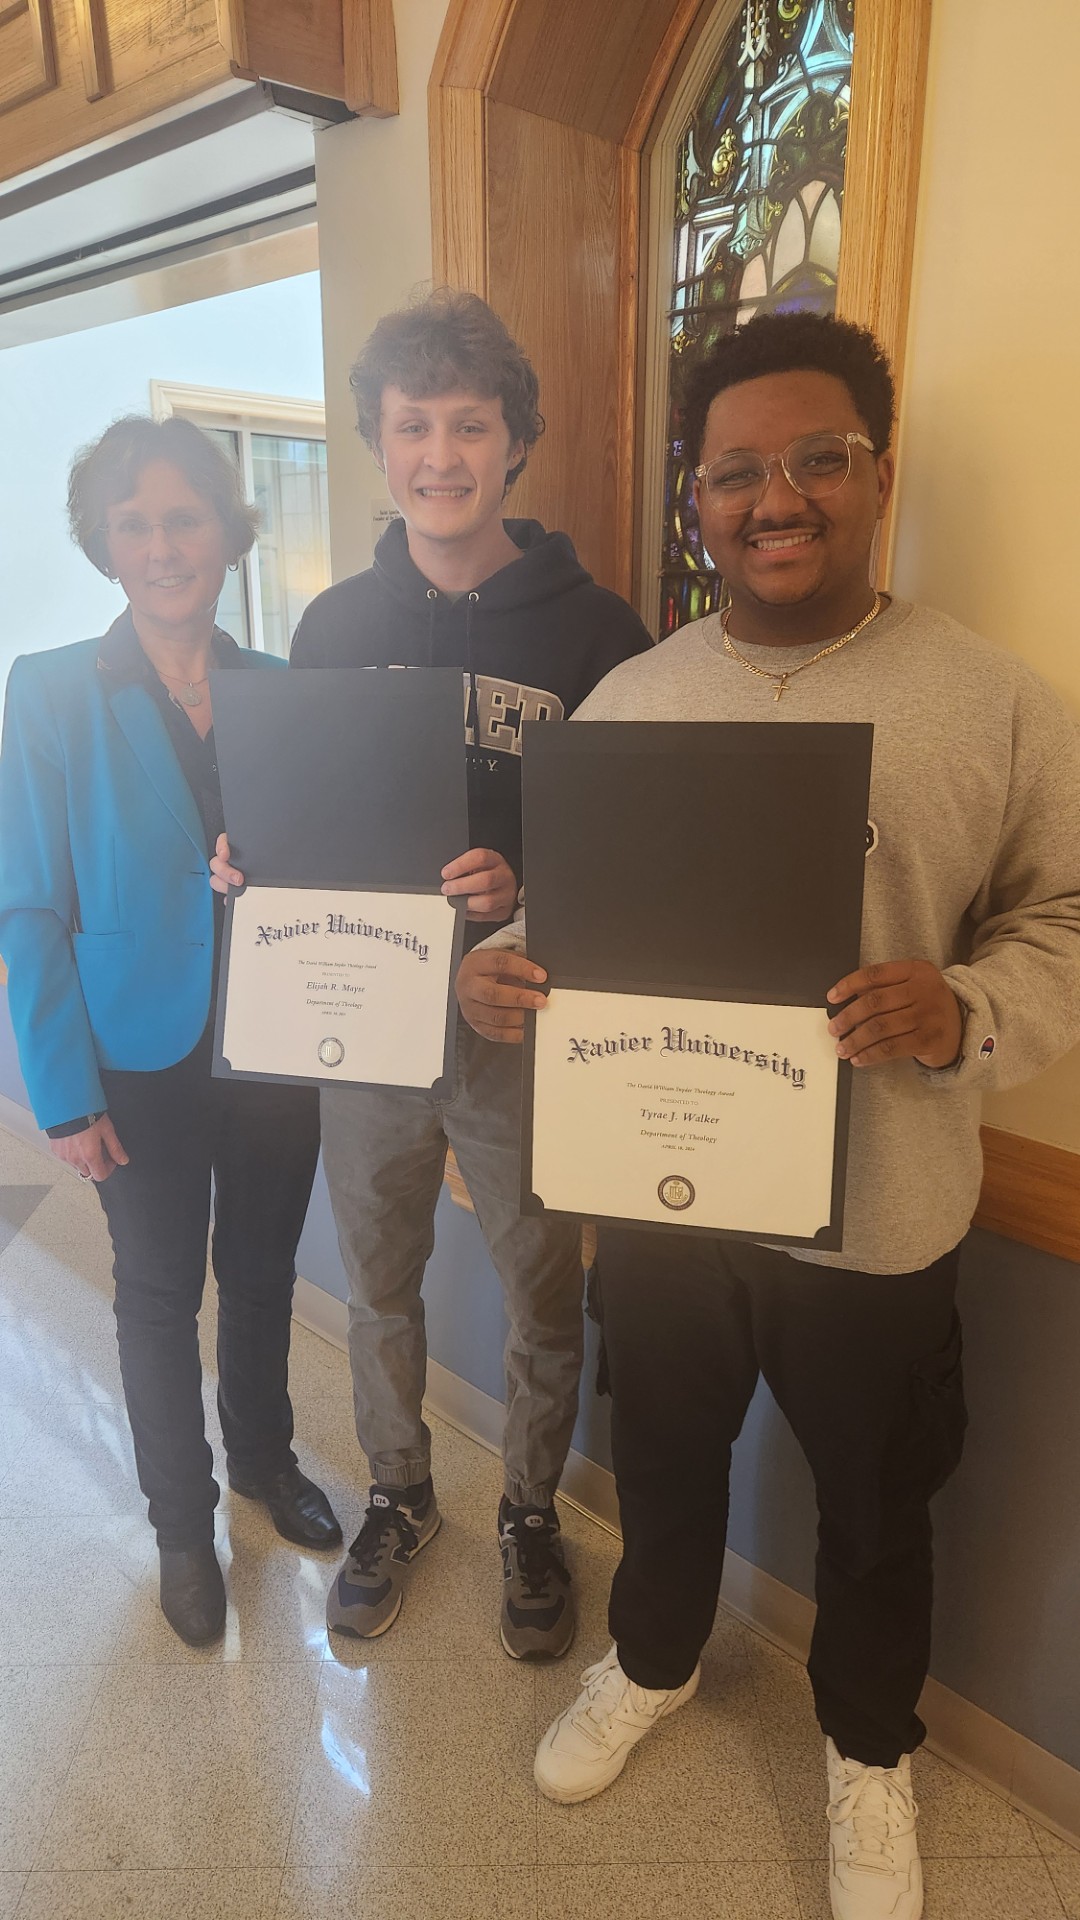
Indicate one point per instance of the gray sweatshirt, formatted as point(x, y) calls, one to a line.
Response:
point(973, 863)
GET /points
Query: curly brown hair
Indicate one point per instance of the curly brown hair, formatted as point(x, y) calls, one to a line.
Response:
point(446, 341)
point(108, 470)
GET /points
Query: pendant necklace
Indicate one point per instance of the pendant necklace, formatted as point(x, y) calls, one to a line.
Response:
point(189, 695)
point(780, 679)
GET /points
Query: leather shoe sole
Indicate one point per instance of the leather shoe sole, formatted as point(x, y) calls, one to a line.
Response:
point(192, 1593)
point(298, 1508)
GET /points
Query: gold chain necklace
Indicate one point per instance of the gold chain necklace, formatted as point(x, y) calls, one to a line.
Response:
point(780, 680)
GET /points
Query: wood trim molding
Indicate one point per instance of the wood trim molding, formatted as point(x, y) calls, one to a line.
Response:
point(884, 151)
point(457, 121)
point(93, 48)
point(39, 24)
point(469, 45)
point(371, 72)
point(459, 1194)
point(1030, 1193)
point(884, 154)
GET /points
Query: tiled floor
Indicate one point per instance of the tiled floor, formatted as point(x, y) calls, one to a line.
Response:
point(276, 1778)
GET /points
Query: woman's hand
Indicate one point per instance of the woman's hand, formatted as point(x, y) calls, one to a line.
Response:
point(94, 1153)
point(899, 1010)
point(488, 880)
point(222, 875)
point(492, 991)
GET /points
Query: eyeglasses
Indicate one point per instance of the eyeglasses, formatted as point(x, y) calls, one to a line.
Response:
point(132, 533)
point(816, 464)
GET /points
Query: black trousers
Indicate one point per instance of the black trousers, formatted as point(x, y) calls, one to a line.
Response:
point(867, 1370)
point(260, 1142)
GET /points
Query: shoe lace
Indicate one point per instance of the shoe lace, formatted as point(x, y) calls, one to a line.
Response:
point(879, 1808)
point(607, 1688)
point(371, 1540)
point(537, 1559)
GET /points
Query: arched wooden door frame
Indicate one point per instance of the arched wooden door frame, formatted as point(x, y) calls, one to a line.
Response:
point(540, 113)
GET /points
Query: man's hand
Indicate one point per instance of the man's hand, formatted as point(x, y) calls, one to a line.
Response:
point(222, 875)
point(488, 881)
point(900, 1010)
point(94, 1153)
point(492, 991)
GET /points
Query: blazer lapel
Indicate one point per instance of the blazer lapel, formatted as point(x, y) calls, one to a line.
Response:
point(145, 733)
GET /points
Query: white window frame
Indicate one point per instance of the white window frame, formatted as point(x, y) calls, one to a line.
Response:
point(243, 414)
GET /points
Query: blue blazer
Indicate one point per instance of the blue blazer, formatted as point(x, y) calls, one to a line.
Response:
point(106, 913)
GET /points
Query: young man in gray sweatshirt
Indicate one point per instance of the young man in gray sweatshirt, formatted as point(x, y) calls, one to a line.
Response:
point(969, 981)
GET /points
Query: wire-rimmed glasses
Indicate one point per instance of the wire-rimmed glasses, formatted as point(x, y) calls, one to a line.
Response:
point(132, 532)
point(816, 464)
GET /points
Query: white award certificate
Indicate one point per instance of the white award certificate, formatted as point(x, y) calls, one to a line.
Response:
point(685, 1112)
point(338, 985)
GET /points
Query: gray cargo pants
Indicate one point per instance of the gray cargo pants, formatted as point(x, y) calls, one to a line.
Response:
point(384, 1154)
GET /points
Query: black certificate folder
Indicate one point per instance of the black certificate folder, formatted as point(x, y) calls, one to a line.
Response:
point(693, 889)
point(344, 794)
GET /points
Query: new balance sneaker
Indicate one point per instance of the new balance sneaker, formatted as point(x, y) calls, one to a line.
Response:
point(874, 1867)
point(366, 1597)
point(537, 1605)
point(587, 1747)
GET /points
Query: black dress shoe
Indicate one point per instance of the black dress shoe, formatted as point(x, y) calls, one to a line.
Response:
point(193, 1593)
point(298, 1508)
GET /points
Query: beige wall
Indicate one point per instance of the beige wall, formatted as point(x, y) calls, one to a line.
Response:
point(990, 447)
point(374, 249)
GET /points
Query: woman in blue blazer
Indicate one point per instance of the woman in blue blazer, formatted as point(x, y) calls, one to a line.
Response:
point(110, 804)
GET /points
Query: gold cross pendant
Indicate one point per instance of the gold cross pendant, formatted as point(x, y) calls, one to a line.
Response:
point(781, 685)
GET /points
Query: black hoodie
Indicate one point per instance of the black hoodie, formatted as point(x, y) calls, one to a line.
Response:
point(531, 643)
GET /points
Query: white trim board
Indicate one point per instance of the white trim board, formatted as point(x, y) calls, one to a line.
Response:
point(20, 1121)
point(1031, 1779)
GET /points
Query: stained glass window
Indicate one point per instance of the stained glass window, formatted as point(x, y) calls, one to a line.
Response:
point(758, 199)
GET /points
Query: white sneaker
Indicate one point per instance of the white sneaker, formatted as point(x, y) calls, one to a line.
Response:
point(586, 1748)
point(874, 1867)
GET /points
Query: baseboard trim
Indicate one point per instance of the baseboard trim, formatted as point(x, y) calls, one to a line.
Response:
point(585, 1485)
point(20, 1121)
point(1006, 1762)
point(322, 1313)
point(1034, 1781)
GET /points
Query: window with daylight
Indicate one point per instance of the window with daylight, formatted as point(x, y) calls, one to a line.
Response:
point(758, 196)
point(280, 448)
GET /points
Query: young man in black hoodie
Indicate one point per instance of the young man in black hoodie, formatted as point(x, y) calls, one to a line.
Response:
point(447, 402)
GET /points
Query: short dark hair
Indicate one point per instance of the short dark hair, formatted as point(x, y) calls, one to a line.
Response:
point(108, 470)
point(793, 343)
point(450, 339)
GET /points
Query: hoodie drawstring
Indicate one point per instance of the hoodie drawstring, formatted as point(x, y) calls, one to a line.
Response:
point(472, 712)
point(474, 699)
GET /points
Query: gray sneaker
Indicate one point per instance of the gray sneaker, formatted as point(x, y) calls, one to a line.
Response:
point(538, 1607)
point(366, 1597)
